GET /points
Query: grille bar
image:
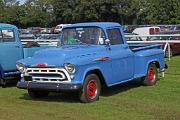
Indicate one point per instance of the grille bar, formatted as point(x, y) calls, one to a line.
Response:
point(48, 74)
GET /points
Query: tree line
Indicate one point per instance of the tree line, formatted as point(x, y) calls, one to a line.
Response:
point(47, 13)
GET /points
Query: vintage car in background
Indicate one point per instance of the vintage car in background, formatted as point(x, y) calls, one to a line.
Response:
point(49, 36)
point(91, 55)
point(129, 38)
point(142, 31)
point(174, 47)
point(59, 28)
point(26, 34)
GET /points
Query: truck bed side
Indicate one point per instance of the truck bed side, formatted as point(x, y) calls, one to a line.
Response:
point(144, 55)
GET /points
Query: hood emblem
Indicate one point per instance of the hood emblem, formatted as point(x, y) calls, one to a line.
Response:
point(40, 65)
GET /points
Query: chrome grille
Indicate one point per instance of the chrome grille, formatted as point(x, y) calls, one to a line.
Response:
point(48, 74)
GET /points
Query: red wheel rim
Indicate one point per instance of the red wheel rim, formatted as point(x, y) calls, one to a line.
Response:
point(151, 74)
point(91, 89)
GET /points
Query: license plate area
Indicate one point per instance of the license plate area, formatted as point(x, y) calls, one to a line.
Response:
point(28, 78)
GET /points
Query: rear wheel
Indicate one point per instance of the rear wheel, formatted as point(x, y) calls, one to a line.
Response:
point(91, 89)
point(151, 76)
point(37, 94)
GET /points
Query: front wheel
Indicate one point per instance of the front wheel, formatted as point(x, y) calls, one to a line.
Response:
point(91, 89)
point(151, 76)
point(3, 83)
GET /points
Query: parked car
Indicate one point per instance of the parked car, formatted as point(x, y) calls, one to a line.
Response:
point(59, 28)
point(26, 34)
point(175, 27)
point(12, 51)
point(34, 30)
point(146, 31)
point(129, 37)
point(172, 32)
point(46, 30)
point(91, 55)
point(50, 36)
point(175, 47)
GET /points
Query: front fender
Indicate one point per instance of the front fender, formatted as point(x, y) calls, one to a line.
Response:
point(88, 70)
point(84, 70)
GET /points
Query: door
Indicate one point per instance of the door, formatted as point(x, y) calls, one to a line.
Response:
point(122, 58)
point(10, 49)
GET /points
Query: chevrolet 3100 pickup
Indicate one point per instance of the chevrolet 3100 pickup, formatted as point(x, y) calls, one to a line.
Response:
point(11, 50)
point(90, 55)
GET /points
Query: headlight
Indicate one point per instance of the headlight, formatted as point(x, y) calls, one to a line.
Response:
point(70, 67)
point(20, 67)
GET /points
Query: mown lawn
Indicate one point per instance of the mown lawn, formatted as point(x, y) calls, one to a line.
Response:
point(128, 101)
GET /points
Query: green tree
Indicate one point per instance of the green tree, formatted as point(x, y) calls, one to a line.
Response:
point(37, 13)
point(174, 12)
point(64, 11)
point(161, 12)
point(46, 13)
point(2, 10)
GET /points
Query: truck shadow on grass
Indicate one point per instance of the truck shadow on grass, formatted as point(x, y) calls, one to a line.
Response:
point(120, 88)
point(9, 84)
point(72, 97)
point(124, 87)
point(68, 97)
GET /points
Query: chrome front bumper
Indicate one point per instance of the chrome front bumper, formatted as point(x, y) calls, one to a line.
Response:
point(54, 87)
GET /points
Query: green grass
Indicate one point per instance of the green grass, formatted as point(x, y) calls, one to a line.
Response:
point(128, 101)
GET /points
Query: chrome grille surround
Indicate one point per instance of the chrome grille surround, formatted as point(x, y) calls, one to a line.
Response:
point(46, 74)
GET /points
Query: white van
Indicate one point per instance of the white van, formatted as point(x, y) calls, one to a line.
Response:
point(142, 31)
point(59, 28)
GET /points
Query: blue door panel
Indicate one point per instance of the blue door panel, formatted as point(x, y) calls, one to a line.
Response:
point(122, 63)
point(10, 53)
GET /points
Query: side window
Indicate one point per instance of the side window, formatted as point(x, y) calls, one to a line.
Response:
point(8, 35)
point(114, 36)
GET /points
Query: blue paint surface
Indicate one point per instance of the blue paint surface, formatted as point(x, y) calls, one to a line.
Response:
point(11, 52)
point(123, 64)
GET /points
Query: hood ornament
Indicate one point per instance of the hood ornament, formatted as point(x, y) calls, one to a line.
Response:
point(40, 65)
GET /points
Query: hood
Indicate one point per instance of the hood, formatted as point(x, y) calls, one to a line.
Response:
point(63, 54)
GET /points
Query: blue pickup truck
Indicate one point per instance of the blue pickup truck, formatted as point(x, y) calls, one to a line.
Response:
point(11, 50)
point(91, 55)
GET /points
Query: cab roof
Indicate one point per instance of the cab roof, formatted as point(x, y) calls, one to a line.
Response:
point(7, 25)
point(95, 24)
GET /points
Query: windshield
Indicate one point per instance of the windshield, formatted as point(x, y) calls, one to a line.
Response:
point(83, 35)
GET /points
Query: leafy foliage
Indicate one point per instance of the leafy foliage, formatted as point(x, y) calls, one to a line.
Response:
point(52, 12)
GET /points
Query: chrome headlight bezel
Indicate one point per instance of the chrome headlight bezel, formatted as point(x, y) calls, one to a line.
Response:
point(70, 68)
point(20, 67)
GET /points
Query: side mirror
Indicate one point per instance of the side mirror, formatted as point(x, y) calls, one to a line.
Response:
point(107, 42)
